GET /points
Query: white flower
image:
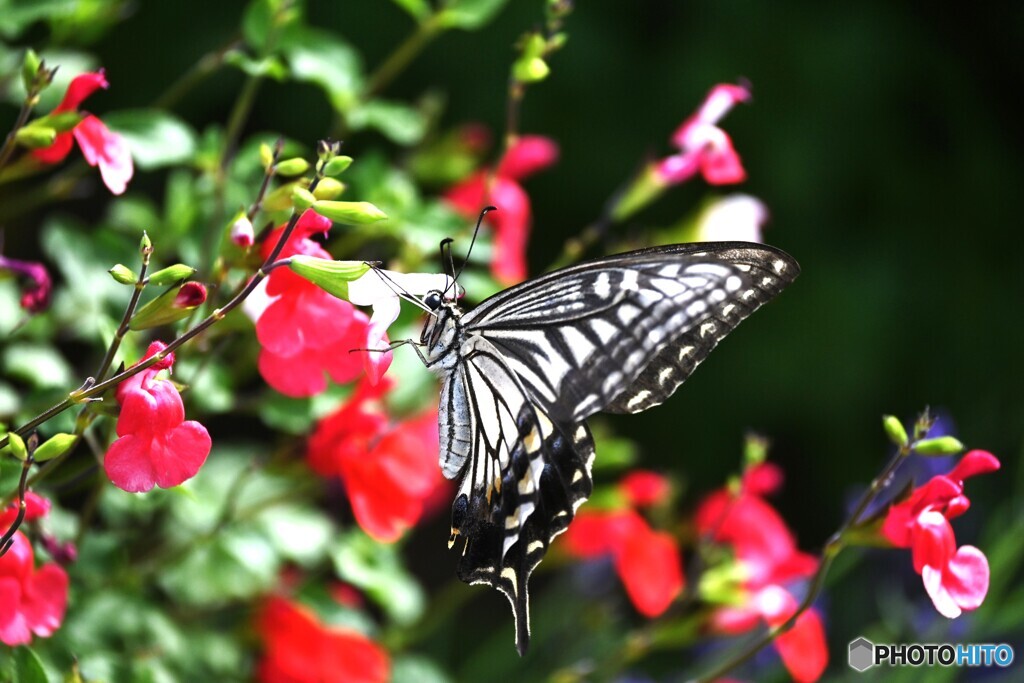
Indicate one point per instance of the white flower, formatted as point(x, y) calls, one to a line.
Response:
point(738, 217)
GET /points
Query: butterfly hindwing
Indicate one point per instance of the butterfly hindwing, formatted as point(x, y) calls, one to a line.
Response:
point(582, 337)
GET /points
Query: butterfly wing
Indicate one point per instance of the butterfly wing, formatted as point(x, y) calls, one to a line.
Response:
point(621, 333)
point(523, 475)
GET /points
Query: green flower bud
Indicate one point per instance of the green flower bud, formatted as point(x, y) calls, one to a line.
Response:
point(35, 136)
point(351, 213)
point(302, 198)
point(328, 188)
point(337, 165)
point(56, 445)
point(61, 122)
point(173, 305)
point(331, 276)
point(290, 167)
point(942, 445)
point(30, 69)
point(16, 446)
point(530, 69)
point(266, 156)
point(895, 430)
point(171, 275)
point(123, 274)
point(279, 199)
point(145, 244)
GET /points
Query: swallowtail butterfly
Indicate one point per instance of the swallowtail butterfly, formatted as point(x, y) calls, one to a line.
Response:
point(523, 371)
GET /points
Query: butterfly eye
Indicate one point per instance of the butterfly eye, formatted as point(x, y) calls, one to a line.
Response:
point(433, 300)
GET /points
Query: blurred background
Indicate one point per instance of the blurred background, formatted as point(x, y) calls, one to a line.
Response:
point(885, 139)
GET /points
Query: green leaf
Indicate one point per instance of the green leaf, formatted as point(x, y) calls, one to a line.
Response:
point(324, 59)
point(416, 669)
point(399, 122)
point(256, 22)
point(469, 15)
point(299, 534)
point(417, 9)
point(39, 364)
point(236, 564)
point(27, 667)
point(270, 67)
point(15, 17)
point(156, 138)
point(377, 569)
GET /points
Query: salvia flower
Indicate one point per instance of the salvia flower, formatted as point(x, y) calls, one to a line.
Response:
point(647, 561)
point(100, 146)
point(242, 233)
point(704, 147)
point(299, 648)
point(388, 467)
point(156, 446)
point(767, 562)
point(37, 287)
point(35, 507)
point(32, 600)
point(956, 579)
point(529, 154)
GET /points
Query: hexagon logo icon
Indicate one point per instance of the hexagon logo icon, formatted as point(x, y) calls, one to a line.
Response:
point(862, 654)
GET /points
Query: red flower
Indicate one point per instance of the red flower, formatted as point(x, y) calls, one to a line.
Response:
point(99, 145)
point(643, 488)
point(389, 469)
point(703, 146)
point(35, 507)
point(768, 559)
point(156, 445)
point(301, 649)
point(646, 560)
point(31, 601)
point(955, 579)
point(530, 153)
point(306, 333)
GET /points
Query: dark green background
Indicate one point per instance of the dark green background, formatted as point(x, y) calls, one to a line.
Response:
point(885, 138)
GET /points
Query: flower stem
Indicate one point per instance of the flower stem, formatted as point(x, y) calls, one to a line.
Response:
point(23, 114)
point(834, 546)
point(6, 541)
point(401, 57)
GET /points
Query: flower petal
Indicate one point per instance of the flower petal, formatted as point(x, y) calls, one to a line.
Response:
point(180, 454)
point(649, 565)
point(529, 154)
point(106, 149)
point(966, 577)
point(46, 599)
point(127, 464)
point(933, 543)
point(941, 598)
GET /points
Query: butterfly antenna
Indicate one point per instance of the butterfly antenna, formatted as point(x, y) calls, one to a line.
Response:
point(476, 231)
point(449, 267)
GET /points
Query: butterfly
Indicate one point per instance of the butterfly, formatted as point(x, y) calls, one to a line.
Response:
point(523, 370)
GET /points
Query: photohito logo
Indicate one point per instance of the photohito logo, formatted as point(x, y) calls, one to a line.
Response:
point(864, 654)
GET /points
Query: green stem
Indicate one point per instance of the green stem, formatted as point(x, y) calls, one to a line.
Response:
point(23, 114)
point(207, 65)
point(122, 329)
point(402, 56)
point(239, 113)
point(834, 546)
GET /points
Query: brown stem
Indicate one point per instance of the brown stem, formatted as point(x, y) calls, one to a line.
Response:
point(7, 540)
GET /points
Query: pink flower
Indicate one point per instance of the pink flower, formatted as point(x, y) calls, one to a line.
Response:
point(389, 468)
point(299, 648)
point(99, 145)
point(31, 600)
point(643, 488)
point(768, 559)
point(530, 153)
point(735, 218)
point(190, 295)
point(703, 146)
point(242, 233)
point(647, 561)
point(35, 295)
point(35, 507)
point(955, 579)
point(156, 445)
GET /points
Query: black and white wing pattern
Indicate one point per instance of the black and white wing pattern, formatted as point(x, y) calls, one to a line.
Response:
point(524, 369)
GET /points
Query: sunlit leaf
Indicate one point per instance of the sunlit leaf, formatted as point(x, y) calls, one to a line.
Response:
point(27, 667)
point(377, 569)
point(323, 58)
point(417, 9)
point(156, 137)
point(469, 14)
point(40, 365)
point(398, 122)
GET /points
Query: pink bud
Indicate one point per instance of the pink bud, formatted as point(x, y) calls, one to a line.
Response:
point(242, 233)
point(190, 295)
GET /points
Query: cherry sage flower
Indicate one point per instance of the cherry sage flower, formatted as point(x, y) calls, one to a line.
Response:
point(35, 293)
point(100, 146)
point(956, 579)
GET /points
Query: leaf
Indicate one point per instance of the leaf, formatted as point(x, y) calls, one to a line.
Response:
point(324, 59)
point(469, 15)
point(399, 122)
point(270, 66)
point(297, 533)
point(417, 9)
point(15, 17)
point(236, 564)
point(27, 667)
point(256, 22)
point(416, 669)
point(377, 569)
point(156, 138)
point(37, 364)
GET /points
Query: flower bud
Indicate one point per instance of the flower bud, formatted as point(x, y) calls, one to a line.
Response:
point(35, 136)
point(266, 155)
point(171, 274)
point(328, 188)
point(351, 213)
point(61, 121)
point(327, 149)
point(302, 198)
point(173, 305)
point(279, 199)
point(145, 244)
point(331, 276)
point(241, 231)
point(55, 446)
point(895, 430)
point(123, 274)
point(30, 69)
point(942, 445)
point(337, 165)
point(293, 166)
point(16, 446)
point(530, 69)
